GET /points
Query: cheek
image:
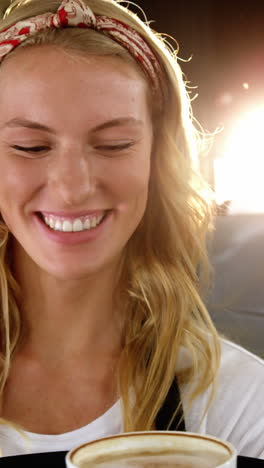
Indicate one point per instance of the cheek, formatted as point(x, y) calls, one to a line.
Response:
point(131, 189)
point(133, 180)
point(16, 185)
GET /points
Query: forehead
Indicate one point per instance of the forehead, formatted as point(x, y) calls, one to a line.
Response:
point(47, 83)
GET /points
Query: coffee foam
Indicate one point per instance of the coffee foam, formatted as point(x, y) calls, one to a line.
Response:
point(165, 460)
point(148, 451)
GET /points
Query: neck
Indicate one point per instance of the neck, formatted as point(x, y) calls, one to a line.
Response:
point(68, 318)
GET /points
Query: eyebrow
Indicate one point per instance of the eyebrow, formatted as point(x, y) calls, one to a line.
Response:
point(27, 124)
point(17, 122)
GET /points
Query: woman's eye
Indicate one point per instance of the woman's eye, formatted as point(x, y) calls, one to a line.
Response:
point(30, 149)
point(115, 147)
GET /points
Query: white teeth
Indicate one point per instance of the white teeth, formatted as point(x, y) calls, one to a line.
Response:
point(87, 224)
point(57, 225)
point(67, 226)
point(76, 225)
point(51, 223)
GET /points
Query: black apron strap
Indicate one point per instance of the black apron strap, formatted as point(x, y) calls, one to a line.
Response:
point(165, 414)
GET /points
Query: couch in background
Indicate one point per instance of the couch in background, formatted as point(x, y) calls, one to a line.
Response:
point(236, 302)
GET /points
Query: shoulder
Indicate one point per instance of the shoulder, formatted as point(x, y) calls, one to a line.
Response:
point(240, 377)
point(238, 364)
point(237, 411)
point(232, 352)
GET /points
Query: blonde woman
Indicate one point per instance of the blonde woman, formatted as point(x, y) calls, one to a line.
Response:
point(103, 230)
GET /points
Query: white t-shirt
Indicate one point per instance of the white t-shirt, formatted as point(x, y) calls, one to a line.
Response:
point(236, 415)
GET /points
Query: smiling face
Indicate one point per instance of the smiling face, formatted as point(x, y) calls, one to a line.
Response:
point(75, 148)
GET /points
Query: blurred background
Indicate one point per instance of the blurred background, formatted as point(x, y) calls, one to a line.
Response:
point(225, 42)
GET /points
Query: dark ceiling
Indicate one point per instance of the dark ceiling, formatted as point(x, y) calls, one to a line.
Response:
point(226, 42)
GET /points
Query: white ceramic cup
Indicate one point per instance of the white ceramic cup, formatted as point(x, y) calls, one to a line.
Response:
point(154, 449)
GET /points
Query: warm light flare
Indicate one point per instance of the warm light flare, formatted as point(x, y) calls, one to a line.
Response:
point(239, 174)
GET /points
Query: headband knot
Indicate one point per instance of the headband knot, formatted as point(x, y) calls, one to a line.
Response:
point(74, 13)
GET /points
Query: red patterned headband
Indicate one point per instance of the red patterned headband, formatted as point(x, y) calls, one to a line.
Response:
point(75, 13)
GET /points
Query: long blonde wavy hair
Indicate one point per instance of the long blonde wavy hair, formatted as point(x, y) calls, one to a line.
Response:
point(160, 281)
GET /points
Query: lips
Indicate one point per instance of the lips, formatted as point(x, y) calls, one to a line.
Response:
point(67, 238)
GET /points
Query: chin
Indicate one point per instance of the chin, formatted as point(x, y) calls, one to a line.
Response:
point(78, 271)
point(72, 274)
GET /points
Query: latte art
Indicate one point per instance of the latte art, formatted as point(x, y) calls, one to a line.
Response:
point(162, 460)
point(154, 449)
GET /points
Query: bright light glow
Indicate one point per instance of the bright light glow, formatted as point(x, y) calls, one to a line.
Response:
point(239, 174)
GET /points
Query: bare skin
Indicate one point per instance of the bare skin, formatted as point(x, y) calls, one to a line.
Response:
point(63, 375)
point(48, 400)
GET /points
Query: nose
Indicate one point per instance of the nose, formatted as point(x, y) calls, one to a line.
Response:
point(72, 177)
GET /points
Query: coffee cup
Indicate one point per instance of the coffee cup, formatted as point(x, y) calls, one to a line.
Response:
point(154, 449)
